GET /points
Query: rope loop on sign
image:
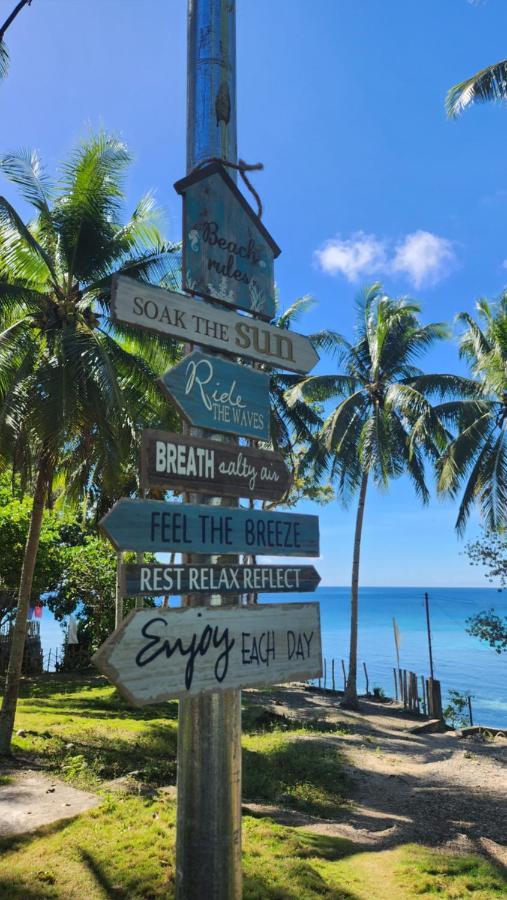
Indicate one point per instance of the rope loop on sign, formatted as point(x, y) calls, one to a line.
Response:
point(242, 167)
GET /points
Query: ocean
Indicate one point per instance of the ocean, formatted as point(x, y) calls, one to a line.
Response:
point(461, 662)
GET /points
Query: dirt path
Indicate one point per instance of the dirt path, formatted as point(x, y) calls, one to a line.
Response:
point(435, 789)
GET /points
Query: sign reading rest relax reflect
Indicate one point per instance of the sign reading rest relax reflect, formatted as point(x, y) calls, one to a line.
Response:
point(227, 252)
point(156, 654)
point(156, 579)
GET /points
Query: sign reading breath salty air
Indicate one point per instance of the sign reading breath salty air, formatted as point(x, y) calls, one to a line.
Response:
point(158, 526)
point(167, 312)
point(181, 462)
point(156, 579)
point(219, 395)
point(156, 654)
point(227, 252)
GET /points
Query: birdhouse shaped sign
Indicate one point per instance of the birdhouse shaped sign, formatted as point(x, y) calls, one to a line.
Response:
point(228, 254)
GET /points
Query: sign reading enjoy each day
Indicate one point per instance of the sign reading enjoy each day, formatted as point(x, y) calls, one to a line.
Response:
point(156, 654)
point(156, 579)
point(159, 526)
point(219, 395)
point(227, 252)
point(178, 461)
point(167, 312)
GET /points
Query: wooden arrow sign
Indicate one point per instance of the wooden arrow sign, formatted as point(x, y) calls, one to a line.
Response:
point(156, 654)
point(210, 467)
point(220, 396)
point(156, 579)
point(158, 526)
point(177, 315)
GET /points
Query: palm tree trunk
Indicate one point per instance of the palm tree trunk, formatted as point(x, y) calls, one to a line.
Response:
point(12, 680)
point(350, 698)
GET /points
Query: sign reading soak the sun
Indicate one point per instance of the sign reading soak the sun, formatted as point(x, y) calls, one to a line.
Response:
point(228, 254)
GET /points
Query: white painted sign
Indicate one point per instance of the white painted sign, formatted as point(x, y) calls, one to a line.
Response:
point(177, 315)
point(156, 654)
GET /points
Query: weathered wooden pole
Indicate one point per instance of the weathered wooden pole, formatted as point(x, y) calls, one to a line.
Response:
point(208, 842)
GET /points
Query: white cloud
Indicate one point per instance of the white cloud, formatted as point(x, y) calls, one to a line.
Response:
point(422, 257)
point(361, 254)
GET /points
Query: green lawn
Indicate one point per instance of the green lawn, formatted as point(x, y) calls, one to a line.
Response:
point(83, 732)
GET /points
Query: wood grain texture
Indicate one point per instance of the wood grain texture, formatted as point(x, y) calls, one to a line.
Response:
point(220, 396)
point(228, 254)
point(177, 315)
point(185, 463)
point(158, 526)
point(157, 579)
point(157, 654)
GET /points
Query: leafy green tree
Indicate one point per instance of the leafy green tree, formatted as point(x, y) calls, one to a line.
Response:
point(490, 551)
point(376, 431)
point(475, 461)
point(490, 628)
point(487, 85)
point(69, 378)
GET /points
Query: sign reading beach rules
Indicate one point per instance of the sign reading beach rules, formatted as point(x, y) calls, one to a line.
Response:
point(156, 654)
point(228, 254)
point(219, 395)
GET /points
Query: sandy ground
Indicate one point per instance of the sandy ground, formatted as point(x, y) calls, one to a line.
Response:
point(31, 799)
point(436, 789)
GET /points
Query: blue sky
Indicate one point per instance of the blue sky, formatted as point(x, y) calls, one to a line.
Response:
point(364, 177)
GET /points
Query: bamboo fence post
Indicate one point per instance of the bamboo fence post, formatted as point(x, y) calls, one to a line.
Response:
point(344, 677)
point(367, 681)
point(332, 674)
point(395, 683)
point(423, 695)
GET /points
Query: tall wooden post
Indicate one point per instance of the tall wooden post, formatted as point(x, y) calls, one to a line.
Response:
point(208, 843)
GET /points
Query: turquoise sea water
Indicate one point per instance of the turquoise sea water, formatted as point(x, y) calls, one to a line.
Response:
point(460, 661)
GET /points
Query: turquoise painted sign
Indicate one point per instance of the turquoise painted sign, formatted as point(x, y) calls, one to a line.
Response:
point(221, 396)
point(175, 527)
point(228, 255)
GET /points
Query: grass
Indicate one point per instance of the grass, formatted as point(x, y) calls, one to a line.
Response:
point(82, 731)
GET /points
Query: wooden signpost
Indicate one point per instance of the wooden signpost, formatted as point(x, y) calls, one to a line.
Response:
point(157, 654)
point(167, 312)
point(157, 579)
point(220, 396)
point(194, 464)
point(228, 253)
point(158, 526)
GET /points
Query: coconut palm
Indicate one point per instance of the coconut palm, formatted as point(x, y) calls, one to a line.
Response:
point(4, 54)
point(376, 430)
point(488, 85)
point(476, 458)
point(69, 379)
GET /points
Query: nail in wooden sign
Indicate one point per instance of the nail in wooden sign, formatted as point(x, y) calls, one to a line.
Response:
point(156, 654)
point(157, 579)
point(210, 467)
point(228, 254)
point(220, 396)
point(172, 527)
point(176, 315)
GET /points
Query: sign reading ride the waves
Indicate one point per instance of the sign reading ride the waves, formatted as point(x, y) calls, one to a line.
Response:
point(155, 579)
point(158, 526)
point(179, 461)
point(156, 654)
point(219, 395)
point(167, 312)
point(227, 252)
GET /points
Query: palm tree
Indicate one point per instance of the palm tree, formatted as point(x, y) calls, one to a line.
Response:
point(489, 84)
point(376, 430)
point(477, 456)
point(4, 54)
point(69, 379)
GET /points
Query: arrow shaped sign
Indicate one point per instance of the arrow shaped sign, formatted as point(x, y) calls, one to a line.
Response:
point(220, 396)
point(156, 654)
point(157, 579)
point(159, 526)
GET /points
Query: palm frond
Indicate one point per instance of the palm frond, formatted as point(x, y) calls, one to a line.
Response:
point(4, 60)
point(489, 84)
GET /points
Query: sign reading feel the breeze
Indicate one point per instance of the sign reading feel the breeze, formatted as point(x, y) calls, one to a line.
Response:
point(156, 654)
point(219, 395)
point(227, 252)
